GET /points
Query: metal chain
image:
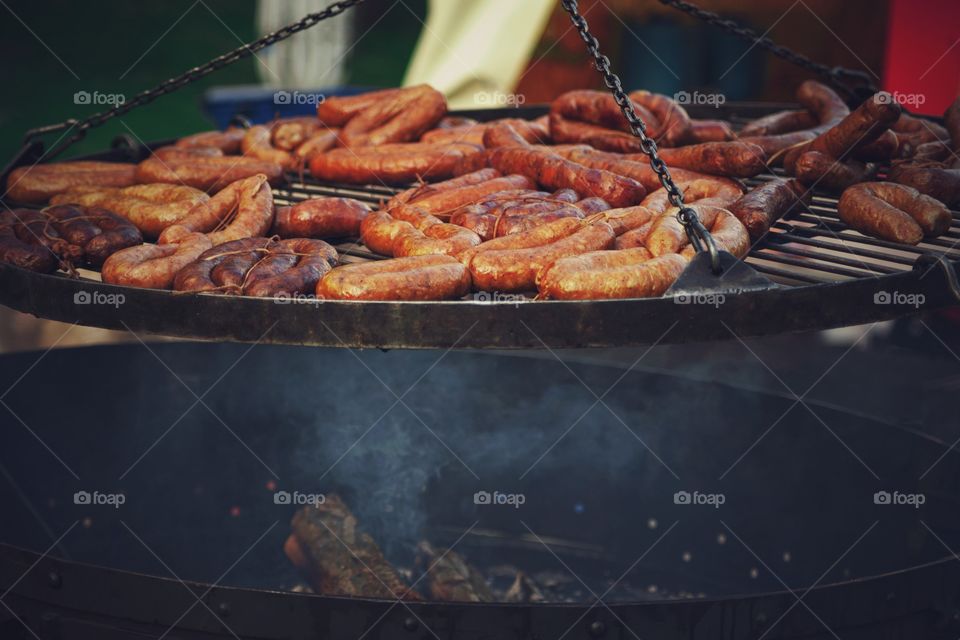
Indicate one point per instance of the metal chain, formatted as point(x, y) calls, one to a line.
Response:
point(192, 75)
point(838, 76)
point(698, 234)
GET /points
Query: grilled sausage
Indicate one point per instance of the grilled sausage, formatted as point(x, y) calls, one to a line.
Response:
point(258, 144)
point(779, 123)
point(444, 202)
point(294, 267)
point(390, 163)
point(244, 209)
point(150, 207)
point(424, 190)
point(380, 231)
point(39, 183)
point(222, 268)
point(814, 168)
point(437, 239)
point(153, 266)
point(636, 238)
point(400, 117)
point(320, 218)
point(734, 159)
point(702, 131)
point(95, 232)
point(929, 178)
point(893, 212)
point(510, 270)
point(208, 174)
point(287, 134)
point(27, 251)
point(729, 234)
point(766, 204)
point(430, 277)
point(642, 172)
point(536, 237)
point(554, 172)
point(228, 141)
point(336, 111)
point(630, 273)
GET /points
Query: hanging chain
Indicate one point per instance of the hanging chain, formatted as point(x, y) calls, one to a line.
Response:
point(840, 77)
point(82, 126)
point(700, 238)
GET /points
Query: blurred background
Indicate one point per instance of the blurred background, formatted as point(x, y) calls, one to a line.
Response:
point(69, 59)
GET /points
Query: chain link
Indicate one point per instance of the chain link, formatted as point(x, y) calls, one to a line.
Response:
point(192, 75)
point(698, 234)
point(837, 76)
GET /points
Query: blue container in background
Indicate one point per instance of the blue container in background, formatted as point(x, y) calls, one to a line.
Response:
point(261, 104)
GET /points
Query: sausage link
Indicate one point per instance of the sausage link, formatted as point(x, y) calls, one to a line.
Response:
point(636, 238)
point(242, 210)
point(305, 263)
point(734, 159)
point(287, 134)
point(430, 277)
point(555, 172)
point(893, 212)
point(779, 123)
point(258, 144)
point(445, 239)
point(221, 268)
point(150, 207)
point(729, 234)
point(766, 204)
point(400, 117)
point(390, 163)
point(207, 174)
point(320, 218)
point(929, 178)
point(153, 266)
point(96, 232)
point(814, 168)
point(228, 141)
point(39, 183)
point(629, 273)
point(27, 251)
point(510, 270)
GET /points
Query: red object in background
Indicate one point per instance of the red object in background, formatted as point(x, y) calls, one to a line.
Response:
point(923, 53)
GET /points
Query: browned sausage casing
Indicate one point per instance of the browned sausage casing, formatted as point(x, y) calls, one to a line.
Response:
point(390, 163)
point(27, 252)
point(628, 273)
point(400, 117)
point(814, 168)
point(766, 204)
point(208, 174)
point(734, 159)
point(431, 277)
point(244, 209)
point(95, 232)
point(153, 266)
point(151, 207)
point(512, 270)
point(929, 178)
point(555, 172)
point(37, 184)
point(320, 218)
point(228, 141)
point(893, 212)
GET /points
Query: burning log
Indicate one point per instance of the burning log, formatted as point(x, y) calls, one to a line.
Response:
point(340, 560)
point(450, 577)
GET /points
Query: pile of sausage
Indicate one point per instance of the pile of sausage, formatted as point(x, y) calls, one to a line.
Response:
point(563, 207)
